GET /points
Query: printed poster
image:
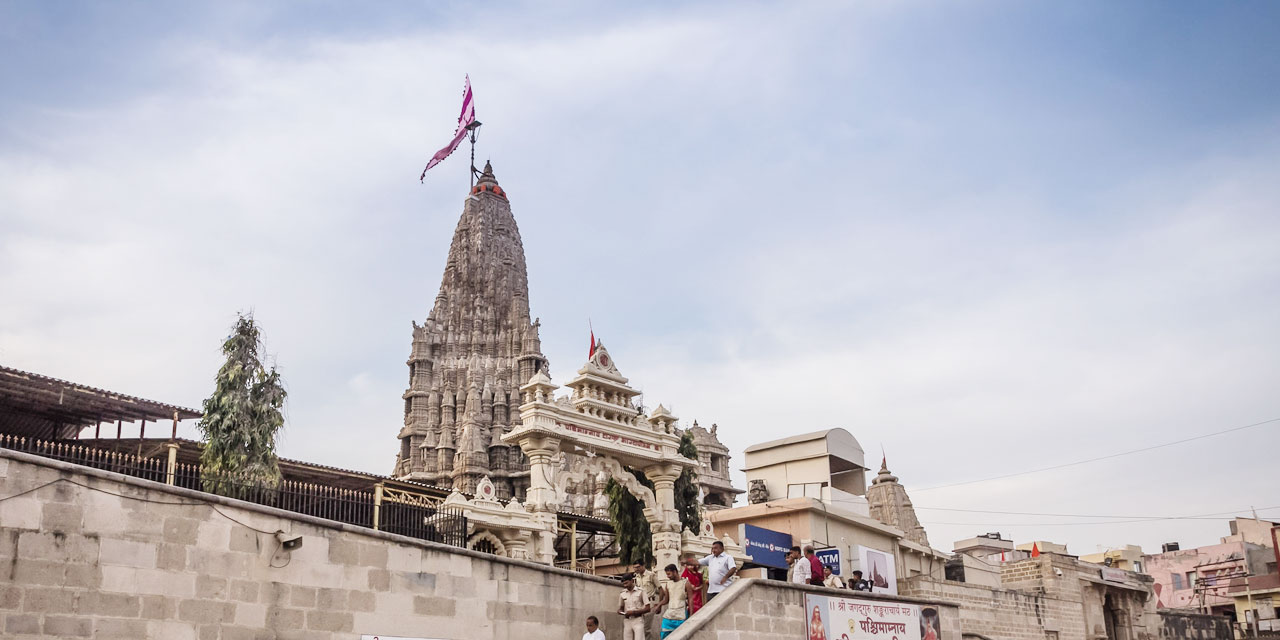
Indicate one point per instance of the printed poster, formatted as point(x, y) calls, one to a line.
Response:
point(831, 618)
point(879, 569)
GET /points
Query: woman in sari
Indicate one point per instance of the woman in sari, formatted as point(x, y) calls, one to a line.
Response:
point(693, 573)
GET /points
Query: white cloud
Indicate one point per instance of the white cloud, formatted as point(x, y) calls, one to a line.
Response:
point(772, 228)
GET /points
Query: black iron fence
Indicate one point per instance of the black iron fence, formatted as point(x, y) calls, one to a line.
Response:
point(398, 511)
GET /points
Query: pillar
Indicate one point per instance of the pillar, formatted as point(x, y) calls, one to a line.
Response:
point(541, 495)
point(665, 520)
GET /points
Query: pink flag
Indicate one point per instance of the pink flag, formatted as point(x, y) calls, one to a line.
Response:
point(464, 120)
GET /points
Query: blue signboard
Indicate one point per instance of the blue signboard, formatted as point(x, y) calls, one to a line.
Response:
point(830, 558)
point(766, 547)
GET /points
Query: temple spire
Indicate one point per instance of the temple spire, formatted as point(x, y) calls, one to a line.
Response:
point(469, 359)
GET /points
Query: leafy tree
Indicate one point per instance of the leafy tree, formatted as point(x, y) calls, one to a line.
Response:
point(687, 487)
point(626, 512)
point(242, 417)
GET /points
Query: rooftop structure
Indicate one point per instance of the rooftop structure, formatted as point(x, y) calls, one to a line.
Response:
point(983, 545)
point(1128, 557)
point(36, 406)
point(826, 465)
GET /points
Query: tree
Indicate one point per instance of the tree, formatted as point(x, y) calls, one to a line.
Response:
point(687, 487)
point(242, 417)
point(626, 512)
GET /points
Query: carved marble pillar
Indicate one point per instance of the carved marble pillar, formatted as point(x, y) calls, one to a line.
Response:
point(540, 448)
point(665, 520)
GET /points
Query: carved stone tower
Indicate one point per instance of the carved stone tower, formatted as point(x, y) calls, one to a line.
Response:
point(888, 503)
point(470, 357)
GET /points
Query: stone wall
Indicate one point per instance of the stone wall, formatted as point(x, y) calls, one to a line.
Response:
point(1194, 626)
point(760, 609)
point(87, 553)
point(1006, 614)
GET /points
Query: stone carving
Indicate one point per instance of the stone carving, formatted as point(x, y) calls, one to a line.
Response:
point(757, 493)
point(888, 502)
point(602, 468)
point(471, 355)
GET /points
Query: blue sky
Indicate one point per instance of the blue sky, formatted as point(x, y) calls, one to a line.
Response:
point(987, 236)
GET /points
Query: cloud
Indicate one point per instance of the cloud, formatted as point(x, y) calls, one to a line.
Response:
point(779, 219)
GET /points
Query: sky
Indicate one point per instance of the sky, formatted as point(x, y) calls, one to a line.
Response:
point(984, 237)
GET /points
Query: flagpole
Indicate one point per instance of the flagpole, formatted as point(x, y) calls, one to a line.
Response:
point(472, 128)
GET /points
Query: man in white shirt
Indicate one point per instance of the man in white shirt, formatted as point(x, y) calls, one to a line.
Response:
point(720, 568)
point(593, 630)
point(801, 570)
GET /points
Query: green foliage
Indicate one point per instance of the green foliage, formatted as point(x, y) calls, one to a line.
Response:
point(626, 513)
point(242, 417)
point(686, 488)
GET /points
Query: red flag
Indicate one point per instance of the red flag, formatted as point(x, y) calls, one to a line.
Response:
point(1035, 550)
point(464, 120)
point(592, 352)
point(1001, 556)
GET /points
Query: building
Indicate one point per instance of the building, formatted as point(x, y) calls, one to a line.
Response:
point(888, 502)
point(812, 488)
point(470, 356)
point(477, 347)
point(824, 465)
point(1257, 606)
point(1128, 558)
point(1043, 546)
point(718, 491)
point(984, 545)
point(1198, 579)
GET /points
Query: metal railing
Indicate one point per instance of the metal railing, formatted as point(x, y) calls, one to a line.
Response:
point(400, 511)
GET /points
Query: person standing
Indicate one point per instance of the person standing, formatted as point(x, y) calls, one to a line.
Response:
point(791, 565)
point(830, 579)
point(815, 566)
point(801, 570)
point(593, 629)
point(632, 605)
point(857, 583)
point(720, 568)
point(674, 602)
point(693, 573)
point(647, 581)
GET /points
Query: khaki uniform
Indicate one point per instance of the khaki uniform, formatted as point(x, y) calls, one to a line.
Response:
point(630, 600)
point(648, 583)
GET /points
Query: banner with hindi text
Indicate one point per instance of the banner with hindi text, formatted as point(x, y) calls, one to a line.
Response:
point(831, 618)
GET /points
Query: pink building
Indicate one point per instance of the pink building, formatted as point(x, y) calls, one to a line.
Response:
point(1198, 579)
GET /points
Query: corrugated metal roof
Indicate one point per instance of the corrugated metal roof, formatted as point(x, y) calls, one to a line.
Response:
point(40, 406)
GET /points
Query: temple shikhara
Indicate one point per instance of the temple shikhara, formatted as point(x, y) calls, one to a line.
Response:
point(471, 357)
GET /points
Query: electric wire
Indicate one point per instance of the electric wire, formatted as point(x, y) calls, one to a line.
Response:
point(1099, 458)
point(139, 499)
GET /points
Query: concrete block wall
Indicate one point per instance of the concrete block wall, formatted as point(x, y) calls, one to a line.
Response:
point(1003, 613)
point(761, 609)
point(86, 553)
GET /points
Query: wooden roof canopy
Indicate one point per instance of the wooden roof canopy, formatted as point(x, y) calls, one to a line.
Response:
point(33, 405)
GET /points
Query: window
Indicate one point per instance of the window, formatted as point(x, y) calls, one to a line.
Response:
point(1177, 582)
point(807, 490)
point(1191, 579)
